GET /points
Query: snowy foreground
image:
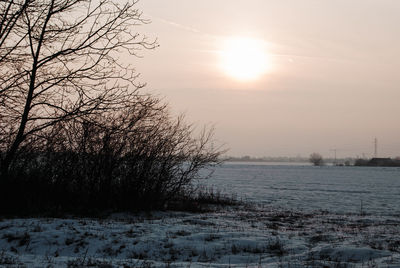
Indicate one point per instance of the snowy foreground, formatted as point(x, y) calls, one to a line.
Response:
point(246, 236)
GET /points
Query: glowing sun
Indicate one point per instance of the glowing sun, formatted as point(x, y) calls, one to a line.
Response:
point(244, 58)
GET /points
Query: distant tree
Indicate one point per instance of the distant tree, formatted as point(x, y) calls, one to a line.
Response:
point(316, 159)
point(59, 61)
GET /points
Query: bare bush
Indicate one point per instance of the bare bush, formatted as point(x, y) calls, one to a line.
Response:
point(138, 158)
point(75, 131)
point(316, 159)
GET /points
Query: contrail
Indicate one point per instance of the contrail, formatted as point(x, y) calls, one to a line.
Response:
point(197, 31)
point(175, 24)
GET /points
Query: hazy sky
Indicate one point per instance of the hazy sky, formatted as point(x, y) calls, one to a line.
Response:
point(333, 81)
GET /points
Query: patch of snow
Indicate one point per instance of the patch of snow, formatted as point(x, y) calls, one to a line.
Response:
point(237, 237)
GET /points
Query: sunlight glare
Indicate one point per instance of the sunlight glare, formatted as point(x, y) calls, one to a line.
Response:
point(244, 58)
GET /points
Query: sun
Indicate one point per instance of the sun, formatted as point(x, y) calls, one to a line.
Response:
point(244, 59)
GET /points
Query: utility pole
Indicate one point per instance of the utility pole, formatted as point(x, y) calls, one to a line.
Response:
point(376, 148)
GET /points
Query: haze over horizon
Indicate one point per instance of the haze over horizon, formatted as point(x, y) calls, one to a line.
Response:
point(330, 81)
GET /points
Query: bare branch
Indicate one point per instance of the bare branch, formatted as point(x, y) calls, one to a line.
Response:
point(59, 60)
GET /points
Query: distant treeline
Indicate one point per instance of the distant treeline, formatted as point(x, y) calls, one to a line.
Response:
point(349, 161)
point(289, 159)
point(378, 162)
point(264, 159)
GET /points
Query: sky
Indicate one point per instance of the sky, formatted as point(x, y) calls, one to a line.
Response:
point(332, 81)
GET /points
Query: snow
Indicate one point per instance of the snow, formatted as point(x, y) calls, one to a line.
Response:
point(331, 188)
point(256, 236)
point(259, 234)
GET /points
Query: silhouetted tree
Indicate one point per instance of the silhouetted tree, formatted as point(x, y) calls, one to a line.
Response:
point(10, 12)
point(59, 61)
point(136, 158)
point(316, 159)
point(75, 131)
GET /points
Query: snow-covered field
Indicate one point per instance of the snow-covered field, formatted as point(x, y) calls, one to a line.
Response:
point(267, 233)
point(305, 187)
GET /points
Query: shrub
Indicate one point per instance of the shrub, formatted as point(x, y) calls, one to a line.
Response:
point(316, 159)
point(134, 159)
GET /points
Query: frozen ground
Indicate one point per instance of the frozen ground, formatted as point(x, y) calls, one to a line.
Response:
point(300, 216)
point(238, 237)
point(332, 188)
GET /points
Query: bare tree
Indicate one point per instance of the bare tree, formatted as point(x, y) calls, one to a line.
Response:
point(10, 12)
point(137, 158)
point(59, 60)
point(316, 159)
